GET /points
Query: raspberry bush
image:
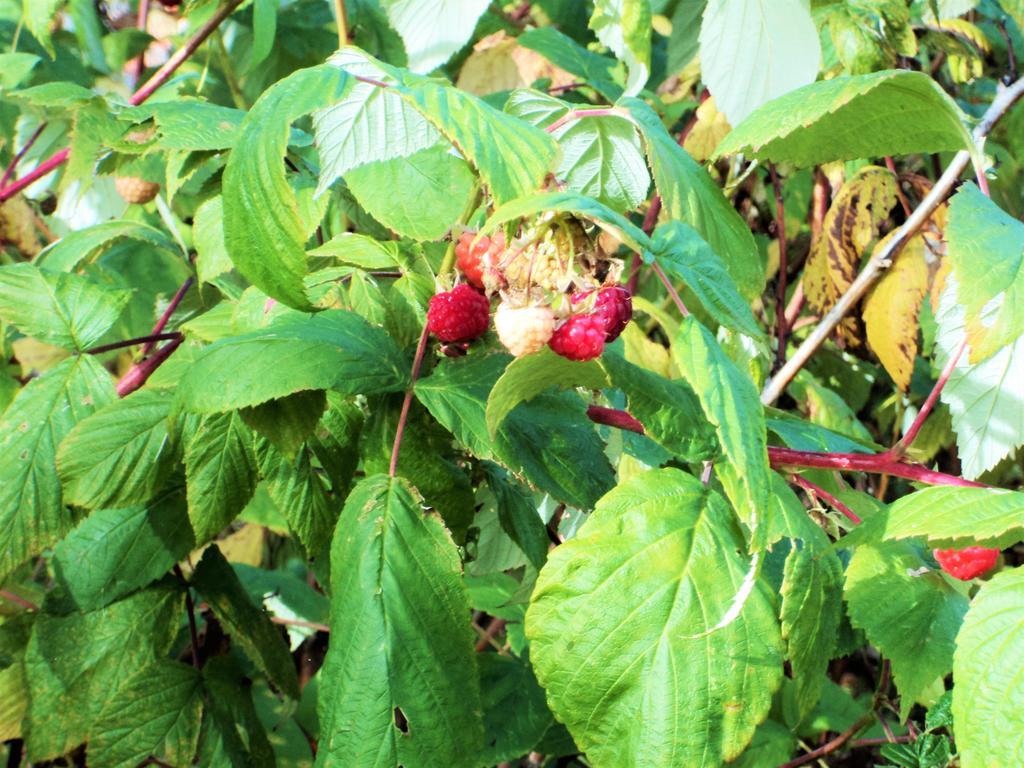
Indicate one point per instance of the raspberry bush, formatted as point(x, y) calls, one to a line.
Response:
point(627, 384)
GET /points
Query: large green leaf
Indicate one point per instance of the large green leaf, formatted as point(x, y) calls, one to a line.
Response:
point(263, 230)
point(988, 695)
point(121, 455)
point(68, 311)
point(83, 245)
point(752, 51)
point(190, 125)
point(625, 27)
point(370, 124)
point(651, 645)
point(220, 471)
point(690, 195)
point(684, 254)
point(516, 716)
point(115, 551)
point(731, 403)
point(547, 440)
point(601, 155)
point(75, 663)
point(986, 247)
point(487, 138)
point(246, 622)
point(331, 350)
point(526, 377)
point(983, 398)
point(892, 595)
point(32, 515)
point(156, 712)
point(296, 488)
point(401, 647)
point(948, 516)
point(433, 30)
point(438, 181)
point(847, 118)
point(812, 587)
point(569, 202)
point(518, 515)
point(564, 52)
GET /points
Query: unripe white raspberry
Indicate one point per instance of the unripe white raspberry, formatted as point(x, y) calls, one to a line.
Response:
point(524, 330)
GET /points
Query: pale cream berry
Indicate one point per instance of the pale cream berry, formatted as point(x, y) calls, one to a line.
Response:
point(524, 330)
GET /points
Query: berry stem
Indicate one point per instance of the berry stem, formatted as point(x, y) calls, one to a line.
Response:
point(821, 493)
point(676, 299)
point(150, 339)
point(171, 306)
point(407, 402)
point(139, 374)
point(13, 166)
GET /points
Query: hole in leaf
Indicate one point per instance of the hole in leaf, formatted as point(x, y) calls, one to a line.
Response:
point(400, 721)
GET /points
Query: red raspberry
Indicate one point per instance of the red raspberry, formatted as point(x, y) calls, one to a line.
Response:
point(473, 259)
point(614, 305)
point(460, 314)
point(968, 563)
point(581, 337)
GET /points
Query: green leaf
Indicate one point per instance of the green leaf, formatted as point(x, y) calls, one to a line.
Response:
point(190, 125)
point(516, 716)
point(15, 67)
point(75, 662)
point(37, 16)
point(568, 202)
point(32, 516)
point(296, 488)
point(247, 624)
point(518, 515)
point(547, 440)
point(335, 349)
point(263, 231)
point(564, 52)
point(691, 681)
point(986, 248)
point(752, 51)
point(690, 195)
point(601, 155)
point(212, 258)
point(669, 410)
point(988, 696)
point(811, 593)
point(116, 551)
point(433, 30)
point(526, 377)
point(231, 733)
point(983, 398)
point(892, 595)
point(287, 422)
point(684, 41)
point(360, 251)
point(85, 245)
point(948, 516)
point(401, 642)
point(436, 182)
point(773, 744)
point(121, 455)
point(731, 403)
point(625, 27)
point(220, 472)
point(371, 124)
point(487, 138)
point(335, 442)
point(894, 112)
point(69, 311)
point(684, 254)
point(264, 27)
point(157, 713)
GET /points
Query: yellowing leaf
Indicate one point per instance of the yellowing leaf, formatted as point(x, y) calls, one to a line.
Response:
point(499, 63)
point(710, 128)
point(892, 308)
point(850, 225)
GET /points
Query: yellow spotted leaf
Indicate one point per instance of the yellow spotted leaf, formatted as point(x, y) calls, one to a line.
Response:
point(892, 309)
point(499, 63)
point(851, 224)
point(709, 130)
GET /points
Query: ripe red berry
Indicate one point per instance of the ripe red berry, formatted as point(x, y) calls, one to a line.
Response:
point(968, 563)
point(468, 258)
point(460, 314)
point(581, 337)
point(614, 305)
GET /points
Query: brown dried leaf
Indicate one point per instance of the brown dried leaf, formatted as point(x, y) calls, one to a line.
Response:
point(892, 309)
point(711, 127)
point(851, 223)
point(18, 226)
point(499, 63)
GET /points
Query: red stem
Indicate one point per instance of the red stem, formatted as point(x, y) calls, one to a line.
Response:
point(650, 221)
point(578, 114)
point(821, 493)
point(159, 77)
point(407, 403)
point(780, 288)
point(140, 63)
point(139, 373)
point(670, 288)
point(904, 444)
point(152, 338)
point(9, 171)
point(162, 322)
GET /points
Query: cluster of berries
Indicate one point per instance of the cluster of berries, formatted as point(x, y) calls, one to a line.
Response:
point(554, 289)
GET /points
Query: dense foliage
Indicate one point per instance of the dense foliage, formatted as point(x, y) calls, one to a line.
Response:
point(462, 383)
